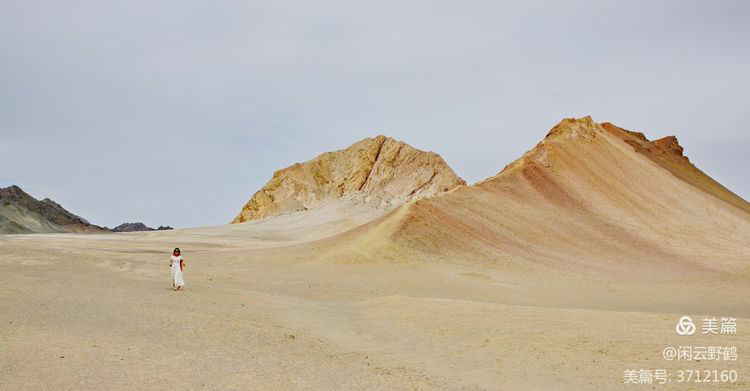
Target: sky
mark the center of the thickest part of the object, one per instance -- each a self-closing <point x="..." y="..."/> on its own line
<point x="176" y="112"/>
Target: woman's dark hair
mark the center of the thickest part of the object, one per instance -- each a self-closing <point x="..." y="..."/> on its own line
<point x="176" y="250"/>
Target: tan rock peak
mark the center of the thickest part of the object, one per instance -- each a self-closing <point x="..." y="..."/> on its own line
<point x="574" y="127"/>
<point x="586" y="129"/>
<point x="380" y="172"/>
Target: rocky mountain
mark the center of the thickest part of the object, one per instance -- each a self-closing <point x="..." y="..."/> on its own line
<point x="589" y="196"/>
<point x="131" y="227"/>
<point x="22" y="213"/>
<point x="136" y="227"/>
<point x="380" y="172"/>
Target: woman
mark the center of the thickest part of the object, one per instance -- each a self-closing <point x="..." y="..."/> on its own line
<point x="177" y="264"/>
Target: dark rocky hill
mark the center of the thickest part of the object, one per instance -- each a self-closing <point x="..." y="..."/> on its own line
<point x="22" y="213"/>
<point x="136" y="227"/>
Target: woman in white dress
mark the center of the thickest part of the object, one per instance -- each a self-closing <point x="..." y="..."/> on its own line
<point x="177" y="264"/>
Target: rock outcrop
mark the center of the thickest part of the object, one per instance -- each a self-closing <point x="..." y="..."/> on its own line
<point x="380" y="172"/>
<point x="138" y="227"/>
<point x="22" y="213"/>
<point x="131" y="227"/>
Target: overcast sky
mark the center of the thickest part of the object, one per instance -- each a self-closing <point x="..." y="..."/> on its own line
<point x="175" y="112"/>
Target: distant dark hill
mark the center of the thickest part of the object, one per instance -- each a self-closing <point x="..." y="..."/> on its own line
<point x="22" y="213"/>
<point x="131" y="227"/>
<point x="136" y="227"/>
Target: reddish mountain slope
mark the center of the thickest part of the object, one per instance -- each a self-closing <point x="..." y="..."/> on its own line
<point x="588" y="197"/>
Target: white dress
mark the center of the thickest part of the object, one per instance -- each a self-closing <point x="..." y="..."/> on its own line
<point x="177" y="279"/>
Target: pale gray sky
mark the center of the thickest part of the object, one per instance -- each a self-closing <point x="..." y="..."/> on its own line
<point x="175" y="112"/>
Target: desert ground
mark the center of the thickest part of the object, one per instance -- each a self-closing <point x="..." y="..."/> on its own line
<point x="567" y="268"/>
<point x="261" y="313"/>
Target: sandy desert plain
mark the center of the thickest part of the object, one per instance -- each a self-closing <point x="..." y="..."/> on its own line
<point x="570" y="266"/>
